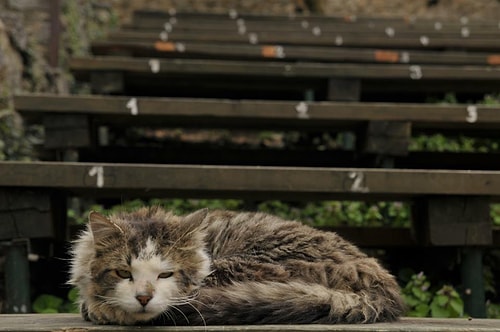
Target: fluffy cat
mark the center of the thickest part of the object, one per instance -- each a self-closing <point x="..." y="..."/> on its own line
<point x="222" y="267"/>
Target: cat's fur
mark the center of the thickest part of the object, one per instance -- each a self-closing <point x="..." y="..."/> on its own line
<point x="221" y="267"/>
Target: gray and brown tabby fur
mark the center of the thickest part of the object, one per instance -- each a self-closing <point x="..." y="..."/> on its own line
<point x="222" y="267"/>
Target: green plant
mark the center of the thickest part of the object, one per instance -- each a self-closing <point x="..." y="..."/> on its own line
<point x="49" y="304"/>
<point x="423" y="302"/>
<point x="417" y="296"/>
<point x="493" y="310"/>
<point x="447" y="303"/>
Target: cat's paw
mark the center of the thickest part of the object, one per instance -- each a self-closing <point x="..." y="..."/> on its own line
<point x="99" y="317"/>
<point x="84" y="311"/>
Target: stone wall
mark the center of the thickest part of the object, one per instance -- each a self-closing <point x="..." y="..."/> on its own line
<point x="24" y="34"/>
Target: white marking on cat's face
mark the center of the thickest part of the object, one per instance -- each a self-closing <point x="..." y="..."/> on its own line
<point x="146" y="281"/>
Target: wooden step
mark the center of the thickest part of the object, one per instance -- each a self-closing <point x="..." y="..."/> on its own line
<point x="387" y="29"/>
<point x="232" y="18"/>
<point x="305" y="70"/>
<point x="240" y="51"/>
<point x="304" y="38"/>
<point x="259" y="114"/>
<point x="380" y="128"/>
<point x="73" y="322"/>
<point x="257" y="79"/>
<point x="259" y="182"/>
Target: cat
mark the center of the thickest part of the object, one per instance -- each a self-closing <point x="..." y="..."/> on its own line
<point x="223" y="268"/>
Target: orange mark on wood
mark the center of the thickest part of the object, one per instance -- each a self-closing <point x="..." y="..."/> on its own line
<point x="269" y="51"/>
<point x="164" y="46"/>
<point x="493" y="59"/>
<point x="386" y="56"/>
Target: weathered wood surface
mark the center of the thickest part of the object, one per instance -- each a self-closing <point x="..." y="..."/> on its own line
<point x="196" y="49"/>
<point x="312" y="70"/>
<point x="152" y="19"/>
<point x="258" y="113"/>
<point x="73" y="322"/>
<point x="387" y="29"/>
<point x="302" y="183"/>
<point x="25" y="214"/>
<point x="332" y="39"/>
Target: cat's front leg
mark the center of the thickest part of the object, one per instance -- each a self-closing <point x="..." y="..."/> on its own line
<point x="95" y="314"/>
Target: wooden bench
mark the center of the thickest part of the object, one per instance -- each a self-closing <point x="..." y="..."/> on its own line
<point x="144" y="47"/>
<point x="451" y="207"/>
<point x="73" y="322"/>
<point x="431" y="188"/>
<point x="251" y="79"/>
<point x="236" y="54"/>
<point x="314" y="30"/>
<point x="72" y="122"/>
<point x="331" y="39"/>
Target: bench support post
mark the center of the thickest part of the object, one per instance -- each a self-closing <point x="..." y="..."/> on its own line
<point x="344" y="89"/>
<point x="473" y="283"/>
<point x="17" y="278"/>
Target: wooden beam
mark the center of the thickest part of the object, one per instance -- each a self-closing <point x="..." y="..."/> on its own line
<point x="298" y="70"/>
<point x="455" y="221"/>
<point x="67" y="131"/>
<point x="65" y="322"/>
<point x="331" y="39"/>
<point x="386" y="138"/>
<point x="25" y="214"/>
<point x="169" y="112"/>
<point x="241" y="51"/>
<point x="100" y="179"/>
<point x="145" y="18"/>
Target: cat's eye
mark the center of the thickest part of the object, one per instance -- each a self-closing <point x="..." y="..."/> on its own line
<point x="165" y="275"/>
<point x="124" y="274"/>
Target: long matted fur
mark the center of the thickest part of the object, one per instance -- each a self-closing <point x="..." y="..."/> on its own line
<point x="222" y="267"/>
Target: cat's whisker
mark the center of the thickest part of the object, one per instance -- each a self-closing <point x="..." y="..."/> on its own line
<point x="182" y="313"/>
<point x="166" y="316"/>
<point x="199" y="313"/>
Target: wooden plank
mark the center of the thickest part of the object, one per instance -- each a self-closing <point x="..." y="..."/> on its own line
<point x="387" y="29"/>
<point x="112" y="180"/>
<point x="386" y="138"/>
<point x="196" y="49"/>
<point x="332" y="39"/>
<point x="455" y="221"/>
<point x="73" y="322"/>
<point x="483" y="119"/>
<point x="66" y="131"/>
<point x="151" y="18"/>
<point x="25" y="214"/>
<point x="297" y="70"/>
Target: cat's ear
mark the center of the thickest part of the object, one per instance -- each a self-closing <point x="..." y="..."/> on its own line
<point x="194" y="219"/>
<point x="102" y="227"/>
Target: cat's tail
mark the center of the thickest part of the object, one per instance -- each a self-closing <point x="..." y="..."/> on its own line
<point x="291" y="303"/>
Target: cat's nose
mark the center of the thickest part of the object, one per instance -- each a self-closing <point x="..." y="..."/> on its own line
<point x="143" y="299"/>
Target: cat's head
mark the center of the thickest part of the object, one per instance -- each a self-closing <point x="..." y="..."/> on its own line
<point x="147" y="261"/>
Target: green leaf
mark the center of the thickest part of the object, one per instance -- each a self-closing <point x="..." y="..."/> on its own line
<point x="458" y="306"/>
<point x="440" y="300"/>
<point x="438" y="311"/>
<point x="73" y="295"/>
<point x="47" y="303"/>
<point x="421" y="310"/>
